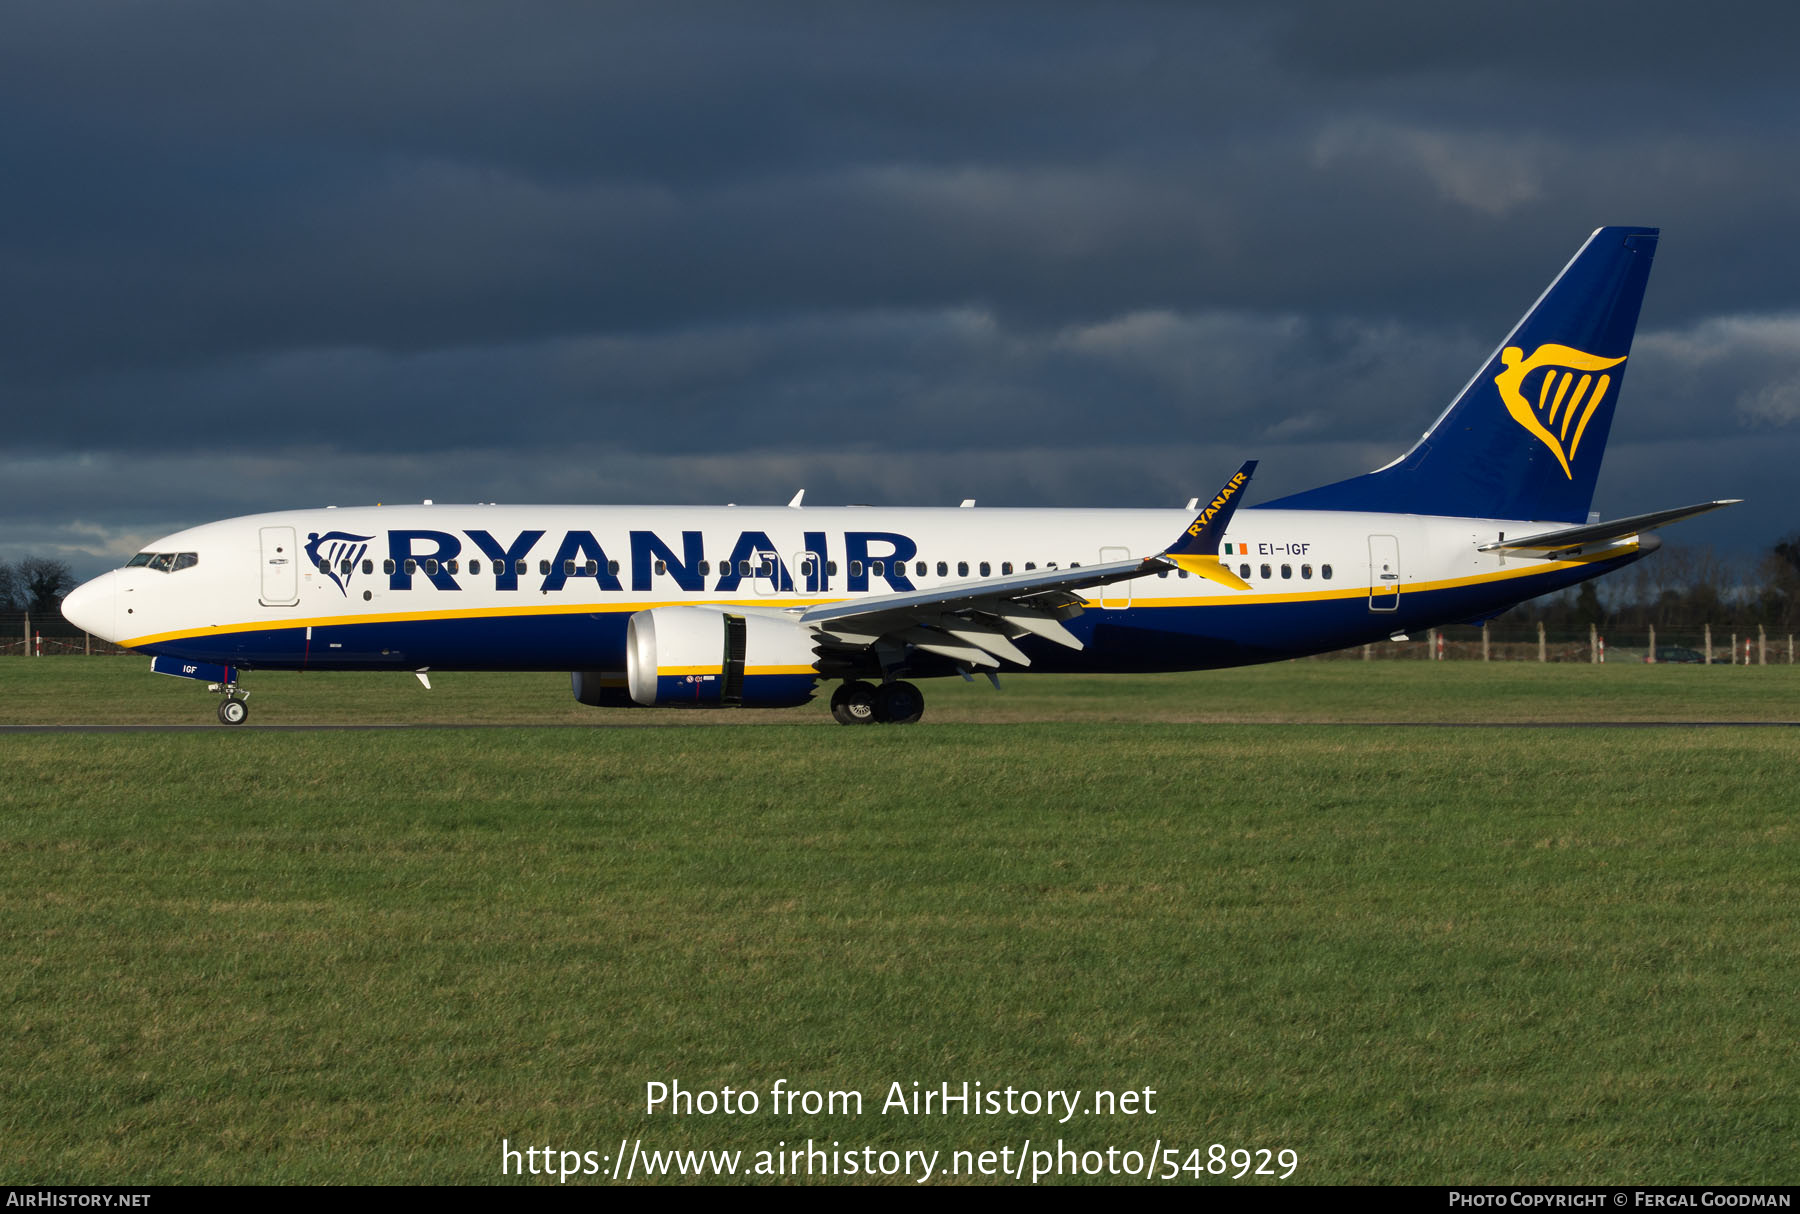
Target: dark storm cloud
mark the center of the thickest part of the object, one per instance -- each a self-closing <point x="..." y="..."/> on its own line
<point x="287" y="253"/>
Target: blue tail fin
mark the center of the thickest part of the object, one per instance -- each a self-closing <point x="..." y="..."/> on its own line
<point x="1525" y="436"/>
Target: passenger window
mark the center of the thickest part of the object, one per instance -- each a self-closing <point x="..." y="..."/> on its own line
<point x="831" y="568"/>
<point x="662" y="567"/>
<point x="1287" y="571"/>
<point x="1306" y="573"/>
<point x="451" y="564"/>
<point x="877" y="568"/>
<point x="986" y="569"/>
<point x="591" y="569"/>
<point x="1005" y="568"/>
<point x="1162" y="573"/>
<point x="324" y="566"/>
<point x="412" y="566"/>
<point x="343" y="566"/>
<point x="519" y="565"/>
<point x="431" y="565"/>
<point x="962" y="569"/>
<point x="387" y="566"/>
<point x="475" y="566"/>
<point x="368" y="565"/>
<point x="1181" y="573"/>
<point x="612" y="567"/>
<point x="743" y="568"/>
<point x="705" y="568"/>
<point x="919" y="569"/>
<point x="855" y="568"/>
<point x="943" y="568"/>
<point x="543" y="565"/>
<point x="1266" y="573"/>
<point x="1244" y="572"/>
<point x="1325" y="572"/>
<point x="1030" y="565"/>
<point x="568" y="568"/>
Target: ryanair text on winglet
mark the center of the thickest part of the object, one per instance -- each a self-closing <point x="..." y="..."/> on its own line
<point x="1225" y="495"/>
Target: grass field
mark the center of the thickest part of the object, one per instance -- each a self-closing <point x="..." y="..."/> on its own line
<point x="121" y="690"/>
<point x="1502" y="955"/>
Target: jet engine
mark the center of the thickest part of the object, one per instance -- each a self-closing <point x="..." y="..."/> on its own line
<point x="710" y="657"/>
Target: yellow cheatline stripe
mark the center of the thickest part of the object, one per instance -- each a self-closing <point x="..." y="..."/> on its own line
<point x="455" y="613"/>
<point x="663" y="672"/>
<point x="1358" y="591"/>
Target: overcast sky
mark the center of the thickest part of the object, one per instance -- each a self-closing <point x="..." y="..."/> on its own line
<point x="287" y="254"/>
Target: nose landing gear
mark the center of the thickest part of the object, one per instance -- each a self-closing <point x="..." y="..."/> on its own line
<point x="232" y="709"/>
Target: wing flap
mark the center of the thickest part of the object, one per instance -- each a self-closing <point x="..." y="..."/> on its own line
<point x="976" y="623"/>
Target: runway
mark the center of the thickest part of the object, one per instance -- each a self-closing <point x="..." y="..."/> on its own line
<point x="371" y="728"/>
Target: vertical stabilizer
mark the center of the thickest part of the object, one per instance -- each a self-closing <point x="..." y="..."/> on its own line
<point x="1525" y="437"/>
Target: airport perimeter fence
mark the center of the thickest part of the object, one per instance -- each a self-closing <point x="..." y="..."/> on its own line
<point x="1697" y="644"/>
<point x="30" y="636"/>
<point x="27" y="635"/>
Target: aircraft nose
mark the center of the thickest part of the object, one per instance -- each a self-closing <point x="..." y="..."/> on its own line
<point x="91" y="606"/>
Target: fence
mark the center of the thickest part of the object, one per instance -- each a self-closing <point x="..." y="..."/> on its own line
<point x="1696" y="644"/>
<point x="37" y="636"/>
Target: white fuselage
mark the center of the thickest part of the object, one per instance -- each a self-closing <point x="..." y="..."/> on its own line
<point x="549" y="587"/>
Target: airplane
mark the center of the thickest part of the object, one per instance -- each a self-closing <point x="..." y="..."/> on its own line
<point x="755" y="607"/>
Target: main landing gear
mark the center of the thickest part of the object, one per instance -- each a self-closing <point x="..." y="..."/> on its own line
<point x="859" y="703"/>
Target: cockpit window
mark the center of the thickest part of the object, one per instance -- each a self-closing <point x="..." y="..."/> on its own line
<point x="164" y="562"/>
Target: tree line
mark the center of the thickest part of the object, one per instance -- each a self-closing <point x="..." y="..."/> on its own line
<point x="35" y="584"/>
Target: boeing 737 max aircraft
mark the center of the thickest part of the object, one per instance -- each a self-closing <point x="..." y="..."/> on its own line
<point x="727" y="607"/>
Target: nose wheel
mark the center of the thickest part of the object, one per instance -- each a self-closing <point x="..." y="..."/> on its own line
<point x="232" y="709"/>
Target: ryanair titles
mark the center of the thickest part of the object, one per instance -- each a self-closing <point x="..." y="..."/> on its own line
<point x="1218" y="503"/>
<point x="533" y="560"/>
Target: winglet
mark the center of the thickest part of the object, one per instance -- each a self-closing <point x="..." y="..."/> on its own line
<point x="1197" y="548"/>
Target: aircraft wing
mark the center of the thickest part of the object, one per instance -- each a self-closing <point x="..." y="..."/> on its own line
<point x="1575" y="537"/>
<point x="977" y="623"/>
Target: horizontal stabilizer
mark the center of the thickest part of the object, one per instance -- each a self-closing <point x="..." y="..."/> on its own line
<point x="1575" y="537"/>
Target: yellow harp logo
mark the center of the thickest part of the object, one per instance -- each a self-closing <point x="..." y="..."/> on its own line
<point x="1553" y="421"/>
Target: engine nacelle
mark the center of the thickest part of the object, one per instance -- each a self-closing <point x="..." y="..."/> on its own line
<point x="710" y="657"/>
